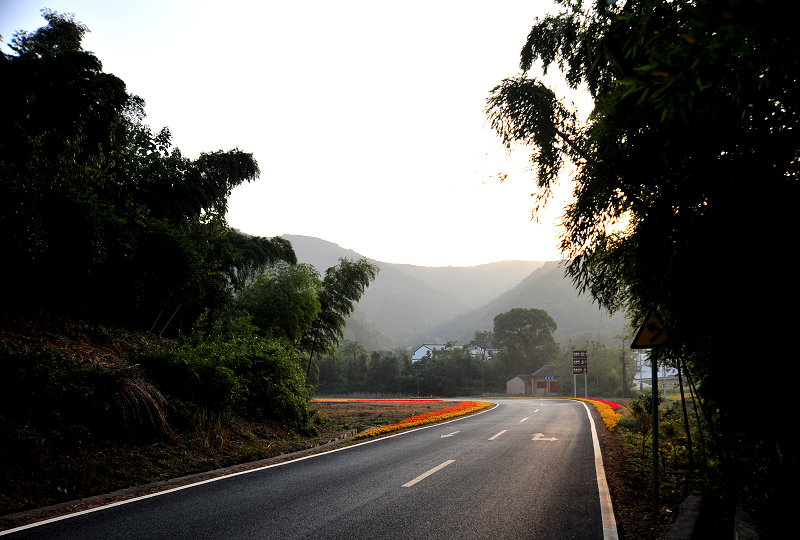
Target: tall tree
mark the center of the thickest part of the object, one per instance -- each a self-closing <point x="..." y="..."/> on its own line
<point x="526" y="338"/>
<point x="694" y="127"/>
<point x="341" y="289"/>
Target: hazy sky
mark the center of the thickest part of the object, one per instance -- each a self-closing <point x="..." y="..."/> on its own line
<point x="366" y="117"/>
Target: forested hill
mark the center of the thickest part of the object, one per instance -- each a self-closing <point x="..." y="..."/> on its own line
<point x="406" y="301"/>
<point x="546" y="288"/>
<point x="408" y="304"/>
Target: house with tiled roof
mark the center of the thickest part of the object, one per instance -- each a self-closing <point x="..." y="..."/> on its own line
<point x="543" y="382"/>
<point x="521" y="384"/>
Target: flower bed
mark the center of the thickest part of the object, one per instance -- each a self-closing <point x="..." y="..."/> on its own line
<point x="463" y="407"/>
<point x="323" y="400"/>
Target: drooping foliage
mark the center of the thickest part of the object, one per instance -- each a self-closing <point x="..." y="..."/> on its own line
<point x="341" y="289"/>
<point x="691" y="150"/>
<point x="102" y="218"/>
<point x="283" y="301"/>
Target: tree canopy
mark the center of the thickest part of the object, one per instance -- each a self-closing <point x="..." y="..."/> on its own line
<point x="102" y="217"/>
<point x="691" y="149"/>
<point x="526" y="337"/>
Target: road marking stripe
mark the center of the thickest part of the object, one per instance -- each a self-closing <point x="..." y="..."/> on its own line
<point x="423" y="476"/>
<point x="493" y="438"/>
<point x="606" y="508"/>
<point x="537" y="410"/>
<point x="524" y="419"/>
<point x="450" y="434"/>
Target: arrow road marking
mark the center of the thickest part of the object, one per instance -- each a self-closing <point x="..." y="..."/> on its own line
<point x="541" y="437"/>
<point x="423" y="476"/>
<point x="450" y="434"/>
<point x="493" y="438"/>
<point x="524" y="419"/>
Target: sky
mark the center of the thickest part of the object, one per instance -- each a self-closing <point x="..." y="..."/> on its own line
<point x="366" y="117"/>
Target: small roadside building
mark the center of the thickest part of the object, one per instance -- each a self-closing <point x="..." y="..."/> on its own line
<point x="521" y="384"/>
<point x="543" y="382"/>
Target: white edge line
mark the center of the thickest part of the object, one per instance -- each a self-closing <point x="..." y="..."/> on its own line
<point x="195" y="484"/>
<point x="424" y="475"/>
<point x="606" y="507"/>
<point x="493" y="438"/>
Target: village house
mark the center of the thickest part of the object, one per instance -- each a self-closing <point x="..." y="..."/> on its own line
<point x="543" y="382"/>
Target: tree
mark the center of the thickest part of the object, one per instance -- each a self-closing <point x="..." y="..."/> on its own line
<point x="342" y="287"/>
<point x="283" y="302"/>
<point x="694" y="125"/>
<point x="103" y="218"/>
<point x="526" y="338"/>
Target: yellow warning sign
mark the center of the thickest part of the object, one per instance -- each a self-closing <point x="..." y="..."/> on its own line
<point x="650" y="334"/>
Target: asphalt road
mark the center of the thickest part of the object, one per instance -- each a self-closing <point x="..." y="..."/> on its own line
<point x="485" y="476"/>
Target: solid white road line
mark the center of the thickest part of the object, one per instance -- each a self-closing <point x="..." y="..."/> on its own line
<point x="524" y="419"/>
<point x="606" y="508"/>
<point x="493" y="438"/>
<point x="423" y="476"/>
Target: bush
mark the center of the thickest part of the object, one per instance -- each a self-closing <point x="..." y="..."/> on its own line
<point x="227" y="368"/>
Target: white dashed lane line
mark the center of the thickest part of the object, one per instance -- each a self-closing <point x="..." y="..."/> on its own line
<point x="423" y="476"/>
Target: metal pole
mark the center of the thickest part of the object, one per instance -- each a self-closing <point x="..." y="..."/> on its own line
<point x="586" y="385"/>
<point x="686" y="419"/>
<point x="654" y="411"/>
<point x="575" y="384"/>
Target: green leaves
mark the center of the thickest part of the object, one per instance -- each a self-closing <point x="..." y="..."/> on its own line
<point x="283" y="301"/>
<point x="341" y="288"/>
<point x="526" y="338"/>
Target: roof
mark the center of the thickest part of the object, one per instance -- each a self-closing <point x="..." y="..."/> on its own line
<point x="524" y="377"/>
<point x="546" y="371"/>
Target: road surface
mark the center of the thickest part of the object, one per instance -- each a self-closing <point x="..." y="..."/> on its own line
<point x="525" y="469"/>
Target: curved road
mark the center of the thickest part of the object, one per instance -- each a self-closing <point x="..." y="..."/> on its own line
<point x="497" y="474"/>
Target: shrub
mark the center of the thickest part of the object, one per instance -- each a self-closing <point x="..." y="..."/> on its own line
<point x="225" y="367"/>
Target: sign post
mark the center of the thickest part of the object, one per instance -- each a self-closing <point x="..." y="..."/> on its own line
<point x="650" y="334"/>
<point x="580" y="366"/>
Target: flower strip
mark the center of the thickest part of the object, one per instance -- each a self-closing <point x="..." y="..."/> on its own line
<point x="323" y="400"/>
<point x="463" y="407"/>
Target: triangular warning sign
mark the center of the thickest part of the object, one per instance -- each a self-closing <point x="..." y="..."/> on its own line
<point x="650" y="334"/>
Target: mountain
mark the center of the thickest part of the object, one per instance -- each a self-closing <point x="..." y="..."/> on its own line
<point x="546" y="288"/>
<point x="406" y="301"/>
<point x="474" y="285"/>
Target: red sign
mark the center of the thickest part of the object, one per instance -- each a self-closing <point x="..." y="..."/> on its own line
<point x="580" y="363"/>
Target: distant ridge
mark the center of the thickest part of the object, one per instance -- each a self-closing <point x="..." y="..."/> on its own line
<point x="546" y="288"/>
<point x="408" y="305"/>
